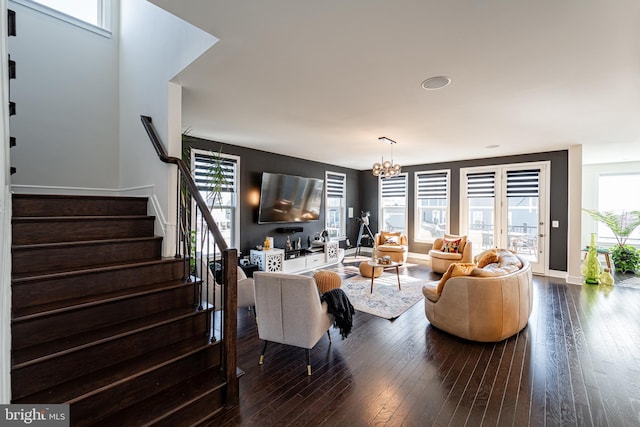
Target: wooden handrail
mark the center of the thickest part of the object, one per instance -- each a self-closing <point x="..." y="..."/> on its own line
<point x="188" y="179"/>
<point x="230" y="262"/>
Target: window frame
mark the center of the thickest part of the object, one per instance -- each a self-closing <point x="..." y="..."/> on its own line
<point x="234" y="240"/>
<point x="342" y="232"/>
<point x="104" y="18"/>
<point x="416" y="202"/>
<point x="381" y="210"/>
<point x="604" y="236"/>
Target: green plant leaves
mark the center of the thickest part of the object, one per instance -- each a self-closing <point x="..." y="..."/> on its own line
<point x="620" y="224"/>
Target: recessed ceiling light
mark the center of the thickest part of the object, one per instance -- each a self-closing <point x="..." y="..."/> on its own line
<point x="434" y="83"/>
<point x="492" y="146"/>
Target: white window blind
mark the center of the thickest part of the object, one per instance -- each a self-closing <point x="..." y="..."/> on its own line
<point x="481" y="184"/>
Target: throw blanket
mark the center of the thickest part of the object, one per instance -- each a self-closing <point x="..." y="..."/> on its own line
<point x="340" y="307"/>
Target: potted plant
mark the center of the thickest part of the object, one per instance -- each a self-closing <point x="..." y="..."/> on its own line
<point x="625" y="257"/>
<point x="215" y="181"/>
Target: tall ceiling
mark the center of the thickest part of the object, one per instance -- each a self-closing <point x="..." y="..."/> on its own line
<point x="323" y="79"/>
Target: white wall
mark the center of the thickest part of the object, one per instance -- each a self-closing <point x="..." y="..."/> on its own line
<point x="5" y="221"/>
<point x="154" y="47"/>
<point x="590" y="188"/>
<point x="66" y="95"/>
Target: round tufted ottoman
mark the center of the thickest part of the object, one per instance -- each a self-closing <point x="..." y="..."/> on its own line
<point x="327" y="280"/>
<point x="367" y="271"/>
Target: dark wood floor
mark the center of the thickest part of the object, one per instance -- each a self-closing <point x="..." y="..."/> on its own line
<point x="576" y="363"/>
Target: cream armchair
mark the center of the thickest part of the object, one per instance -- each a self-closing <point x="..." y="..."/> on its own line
<point x="213" y="295"/>
<point x="289" y="311"/>
<point x="440" y="259"/>
<point x="392" y="244"/>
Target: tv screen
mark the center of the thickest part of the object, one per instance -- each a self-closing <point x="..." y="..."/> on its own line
<point x="288" y="198"/>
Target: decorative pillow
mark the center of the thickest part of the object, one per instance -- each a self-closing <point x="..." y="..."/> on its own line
<point x="455" y="269"/>
<point x="451" y="246"/>
<point x="392" y="240"/>
<point x="385" y="235"/>
<point x="463" y="240"/>
<point x="487" y="257"/>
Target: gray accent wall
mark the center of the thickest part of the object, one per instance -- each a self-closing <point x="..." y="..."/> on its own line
<point x="558" y="208"/>
<point x="252" y="164"/>
<point x="362" y="194"/>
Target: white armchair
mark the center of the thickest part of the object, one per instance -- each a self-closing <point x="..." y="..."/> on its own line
<point x="246" y="293"/>
<point x="289" y="311"/>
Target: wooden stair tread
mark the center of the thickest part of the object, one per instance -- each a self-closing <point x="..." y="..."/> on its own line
<point x="82" y="243"/>
<point x="58" y="307"/>
<point x="52" y="349"/>
<point x="78" y="218"/>
<point x="85" y="386"/>
<point x="25" y="277"/>
<point x="169" y="402"/>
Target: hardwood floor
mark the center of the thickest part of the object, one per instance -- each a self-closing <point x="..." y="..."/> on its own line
<point x="576" y="363"/>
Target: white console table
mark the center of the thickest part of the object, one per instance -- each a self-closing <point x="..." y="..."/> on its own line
<point x="273" y="259"/>
<point x="270" y="260"/>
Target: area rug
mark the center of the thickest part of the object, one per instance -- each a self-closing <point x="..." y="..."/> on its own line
<point x="386" y="301"/>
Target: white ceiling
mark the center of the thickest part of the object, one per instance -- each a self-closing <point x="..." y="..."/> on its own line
<point x="323" y="79"/>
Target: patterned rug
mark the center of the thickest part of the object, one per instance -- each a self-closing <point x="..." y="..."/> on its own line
<point x="386" y="301"/>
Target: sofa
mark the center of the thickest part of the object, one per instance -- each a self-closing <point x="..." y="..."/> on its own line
<point x="392" y="244"/>
<point x="449" y="249"/>
<point x="487" y="301"/>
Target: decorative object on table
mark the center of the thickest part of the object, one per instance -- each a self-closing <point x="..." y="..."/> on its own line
<point x="385" y="260"/>
<point x="299" y="246"/>
<point x="591" y="266"/>
<point x="259" y="247"/>
<point x="625" y="257"/>
<point x="325" y="236"/>
<point x="288" y="244"/>
<point x="606" y="278"/>
<point x="265" y="245"/>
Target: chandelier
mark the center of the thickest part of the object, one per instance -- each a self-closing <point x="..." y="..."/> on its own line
<point x="386" y="168"/>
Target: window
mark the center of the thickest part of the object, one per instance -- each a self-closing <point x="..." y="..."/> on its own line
<point x="393" y="203"/>
<point x="614" y="194"/>
<point x="432" y="202"/>
<point x="92" y="15"/>
<point x="335" y="204"/>
<point x="223" y="203"/>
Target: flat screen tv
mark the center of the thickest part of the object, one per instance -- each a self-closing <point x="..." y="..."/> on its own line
<point x="288" y="198"/>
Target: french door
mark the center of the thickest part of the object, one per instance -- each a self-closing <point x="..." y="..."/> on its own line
<point x="506" y="207"/>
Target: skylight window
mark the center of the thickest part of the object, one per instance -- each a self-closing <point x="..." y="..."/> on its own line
<point x="93" y="15"/>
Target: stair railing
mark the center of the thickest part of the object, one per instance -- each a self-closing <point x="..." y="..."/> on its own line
<point x="199" y="238"/>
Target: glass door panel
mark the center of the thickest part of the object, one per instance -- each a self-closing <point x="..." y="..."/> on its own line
<point x="505" y="207"/>
<point x="522" y="228"/>
<point x="481" y="223"/>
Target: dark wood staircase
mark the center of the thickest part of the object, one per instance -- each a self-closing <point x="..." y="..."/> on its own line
<point x="102" y="322"/>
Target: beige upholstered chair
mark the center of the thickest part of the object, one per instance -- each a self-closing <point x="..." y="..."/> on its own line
<point x="481" y="308"/>
<point x="392" y="244"/>
<point x="290" y="312"/>
<point x="246" y="294"/>
<point x="440" y="260"/>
